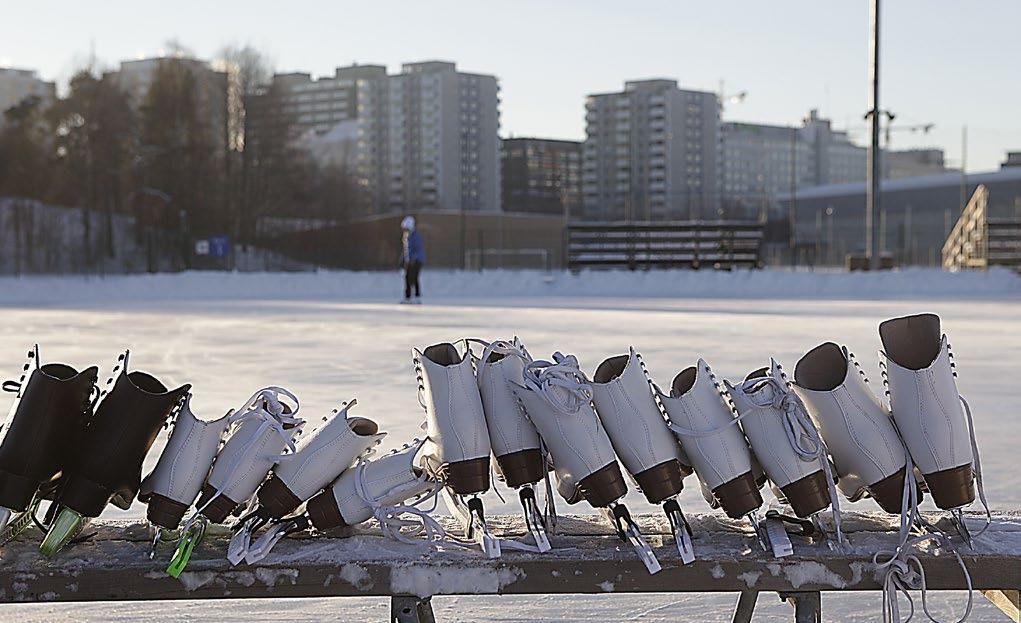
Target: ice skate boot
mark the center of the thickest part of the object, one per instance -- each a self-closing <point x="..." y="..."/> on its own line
<point x="921" y="382"/>
<point x="867" y="451"/>
<point x="703" y="420"/>
<point x="557" y="397"/>
<point x="379" y="489"/>
<point x="786" y="443"/>
<point x="182" y="469"/>
<point x="516" y="444"/>
<point x="107" y="465"/>
<point x="319" y="459"/>
<point x="261" y="434"/>
<point x="456" y="450"/>
<point x="624" y="399"/>
<point x="40" y="435"/>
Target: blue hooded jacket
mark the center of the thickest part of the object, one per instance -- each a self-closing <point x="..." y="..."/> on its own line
<point x="414" y="249"/>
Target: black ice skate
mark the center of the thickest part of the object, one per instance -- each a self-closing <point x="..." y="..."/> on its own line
<point x="39" y="436"/>
<point x="107" y="464"/>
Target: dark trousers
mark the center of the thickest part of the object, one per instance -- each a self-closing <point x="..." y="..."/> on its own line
<point x="411" y="271"/>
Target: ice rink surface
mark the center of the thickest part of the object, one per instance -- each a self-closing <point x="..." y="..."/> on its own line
<point x="336" y="336"/>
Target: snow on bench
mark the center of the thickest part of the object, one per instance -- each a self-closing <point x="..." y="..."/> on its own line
<point x="587" y="558"/>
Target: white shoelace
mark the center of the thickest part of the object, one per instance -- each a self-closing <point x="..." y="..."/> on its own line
<point x="563" y="373"/>
<point x="265" y="406"/>
<point x="901" y="565"/>
<point x="802" y="435"/>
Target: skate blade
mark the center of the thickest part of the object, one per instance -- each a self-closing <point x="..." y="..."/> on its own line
<point x="190" y="538"/>
<point x="162" y="535"/>
<point x="628" y="530"/>
<point x="681" y="531"/>
<point x="473" y="522"/>
<point x="773" y="536"/>
<point x="63" y="530"/>
<point x="18" y="523"/>
<point x="533" y="520"/>
<point x="957" y="520"/>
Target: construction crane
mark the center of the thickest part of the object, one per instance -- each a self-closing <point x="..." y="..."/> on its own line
<point x="923" y="128"/>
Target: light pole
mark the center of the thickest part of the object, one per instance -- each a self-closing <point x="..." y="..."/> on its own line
<point x="874" y="173"/>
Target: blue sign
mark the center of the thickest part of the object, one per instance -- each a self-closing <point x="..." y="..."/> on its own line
<point x="219" y="246"/>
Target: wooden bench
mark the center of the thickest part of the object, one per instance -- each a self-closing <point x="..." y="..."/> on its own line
<point x="587" y="558"/>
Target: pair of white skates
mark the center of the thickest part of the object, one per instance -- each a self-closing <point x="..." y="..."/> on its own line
<point x="926" y="426"/>
<point x="229" y="475"/>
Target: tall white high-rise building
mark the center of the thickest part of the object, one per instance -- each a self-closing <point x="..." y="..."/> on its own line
<point x="651" y="152"/>
<point x="428" y="140"/>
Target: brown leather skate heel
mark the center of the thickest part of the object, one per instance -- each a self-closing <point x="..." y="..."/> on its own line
<point x="220" y="508"/>
<point x="323" y="512"/>
<point x="603" y="486"/>
<point x="467" y="477"/>
<point x="164" y="512"/>
<point x="808" y="495"/>
<point x="889" y="492"/>
<point x="739" y="497"/>
<point x="662" y="481"/>
<point x="951" y="488"/>
<point x="276" y="498"/>
<point x="522" y="467"/>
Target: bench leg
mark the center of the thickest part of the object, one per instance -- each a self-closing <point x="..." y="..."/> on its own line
<point x="745" y="606"/>
<point x="807" y="606"/>
<point x="411" y="609"/>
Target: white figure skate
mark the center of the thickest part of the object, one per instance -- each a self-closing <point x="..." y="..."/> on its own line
<point x="319" y="459"/>
<point x="182" y="469"/>
<point x="787" y="444"/>
<point x="456" y="450"/>
<point x="867" y="451"/>
<point x="516" y="444"/>
<point x="703" y="420"/>
<point x="557" y="398"/>
<point x="370" y="489"/>
<point x="628" y="410"/>
<point x="261" y="434"/>
<point x="921" y="382"/>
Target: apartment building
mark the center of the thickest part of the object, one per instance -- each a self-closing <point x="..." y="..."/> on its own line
<point x="651" y="152"/>
<point x="136" y="76"/>
<point x="424" y="139"/>
<point x="761" y="161"/>
<point x="541" y="175"/>
<point x="18" y="84"/>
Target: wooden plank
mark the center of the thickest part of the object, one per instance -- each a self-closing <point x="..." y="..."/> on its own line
<point x="1007" y="601"/>
<point x="587" y="558"/>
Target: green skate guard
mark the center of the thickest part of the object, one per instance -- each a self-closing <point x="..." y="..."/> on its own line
<point x="65" y="527"/>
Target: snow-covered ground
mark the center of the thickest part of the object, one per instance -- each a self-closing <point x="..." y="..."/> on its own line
<point x="333" y="336"/>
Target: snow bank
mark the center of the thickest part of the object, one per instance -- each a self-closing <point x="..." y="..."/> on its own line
<point x="911" y="283"/>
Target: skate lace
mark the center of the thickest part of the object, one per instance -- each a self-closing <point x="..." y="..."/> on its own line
<point x="802" y="434"/>
<point x="266" y="407"/>
<point x="902" y="569"/>
<point x="560" y="382"/>
<point x="503" y="347"/>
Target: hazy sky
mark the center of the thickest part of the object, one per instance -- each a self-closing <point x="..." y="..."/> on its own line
<point x="946" y="62"/>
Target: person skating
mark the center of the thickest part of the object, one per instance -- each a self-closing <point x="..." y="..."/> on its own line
<point x="412" y="258"/>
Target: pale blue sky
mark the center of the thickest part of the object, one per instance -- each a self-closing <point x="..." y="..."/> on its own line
<point x="947" y="62"/>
